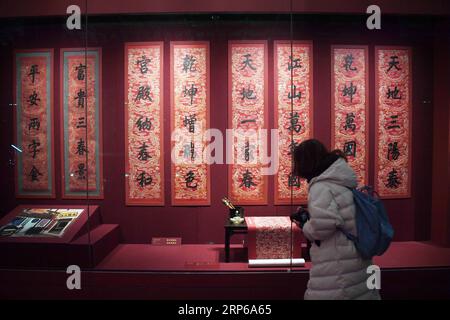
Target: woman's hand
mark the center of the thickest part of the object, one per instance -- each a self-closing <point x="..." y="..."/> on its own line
<point x="301" y="216"/>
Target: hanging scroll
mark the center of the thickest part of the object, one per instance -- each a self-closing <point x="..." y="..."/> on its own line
<point x="293" y="114"/>
<point x="34" y="123"/>
<point x="190" y="119"/>
<point x="350" y="103"/>
<point x="144" y="167"/>
<point x="247" y="116"/>
<point x="393" y="120"/>
<point x="81" y="123"/>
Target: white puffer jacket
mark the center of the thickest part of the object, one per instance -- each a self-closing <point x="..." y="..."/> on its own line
<point x="338" y="271"/>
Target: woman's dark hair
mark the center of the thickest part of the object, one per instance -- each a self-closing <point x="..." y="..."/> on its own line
<point x="311" y="158"/>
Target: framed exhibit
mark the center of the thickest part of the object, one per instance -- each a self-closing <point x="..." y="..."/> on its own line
<point x="293" y="114"/>
<point x="393" y="118"/>
<point x="81" y="123"/>
<point x="248" y="114"/>
<point x="33" y="123"/>
<point x="144" y="124"/>
<point x="350" y="106"/>
<point x="190" y="98"/>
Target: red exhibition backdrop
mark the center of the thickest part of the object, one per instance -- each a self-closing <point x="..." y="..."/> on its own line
<point x="144" y="118"/>
<point x="202" y="224"/>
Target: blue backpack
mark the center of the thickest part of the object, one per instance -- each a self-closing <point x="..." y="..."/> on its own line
<point x="375" y="233"/>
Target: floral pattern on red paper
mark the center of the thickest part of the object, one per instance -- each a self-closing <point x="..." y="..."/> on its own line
<point x="393" y="112"/>
<point x="190" y="120"/>
<point x="273" y="237"/>
<point x="145" y="185"/>
<point x="293" y="115"/>
<point x="247" y="184"/>
<point x="349" y="115"/>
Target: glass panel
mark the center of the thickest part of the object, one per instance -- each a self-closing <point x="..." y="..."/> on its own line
<point x="187" y="77"/>
<point x="38" y="214"/>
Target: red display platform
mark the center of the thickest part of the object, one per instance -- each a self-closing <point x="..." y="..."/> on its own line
<point x="76" y="246"/>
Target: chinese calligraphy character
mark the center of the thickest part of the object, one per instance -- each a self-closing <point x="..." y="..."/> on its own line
<point x="295" y="126"/>
<point x="189" y="180"/>
<point x="33" y="72"/>
<point x="188" y="63"/>
<point x="81" y="123"/>
<point x="247" y="62"/>
<point x="350" y="148"/>
<point x="81" y="97"/>
<point x="80" y="71"/>
<point x="393" y="151"/>
<point x="349" y="91"/>
<point x="33" y="148"/>
<point x="81" y="172"/>
<point x="189" y="122"/>
<point x="248" y="151"/>
<point x="143" y="154"/>
<point x="247" y="180"/>
<point x="247" y="94"/>
<point x="393" y="122"/>
<point x="143" y="94"/>
<point x="192" y="151"/>
<point x="248" y="121"/>
<point x="293" y="180"/>
<point x="350" y="122"/>
<point x="144" y="180"/>
<point x="191" y="92"/>
<point x="81" y="147"/>
<point x="393" y="94"/>
<point x="348" y="63"/>
<point x="143" y="67"/>
<point x="295" y="95"/>
<point x="393" y="180"/>
<point x="393" y="63"/>
<point x="33" y="99"/>
<point x="34" y="124"/>
<point x="34" y="174"/>
<point x="143" y="125"/>
<point x="293" y="63"/>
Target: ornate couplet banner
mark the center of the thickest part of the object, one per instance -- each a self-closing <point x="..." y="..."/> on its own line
<point x="393" y="122"/>
<point x="293" y="114"/>
<point x="144" y="168"/>
<point x="350" y="103"/>
<point x="189" y="90"/>
<point x="247" y="116"/>
<point x="33" y="81"/>
<point x="81" y="123"/>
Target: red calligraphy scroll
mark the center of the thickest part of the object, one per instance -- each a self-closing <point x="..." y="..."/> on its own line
<point x="350" y="106"/>
<point x="393" y="122"/>
<point x="247" y="116"/>
<point x="189" y="87"/>
<point x="293" y="114"/>
<point x="144" y="156"/>
<point x="81" y="123"/>
<point x="33" y="122"/>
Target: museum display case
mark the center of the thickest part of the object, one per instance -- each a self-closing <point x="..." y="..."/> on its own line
<point x="162" y="141"/>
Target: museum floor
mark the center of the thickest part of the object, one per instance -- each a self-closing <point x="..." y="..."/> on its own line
<point x="410" y="270"/>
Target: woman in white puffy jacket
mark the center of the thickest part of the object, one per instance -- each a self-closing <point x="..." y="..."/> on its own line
<point x="338" y="271"/>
